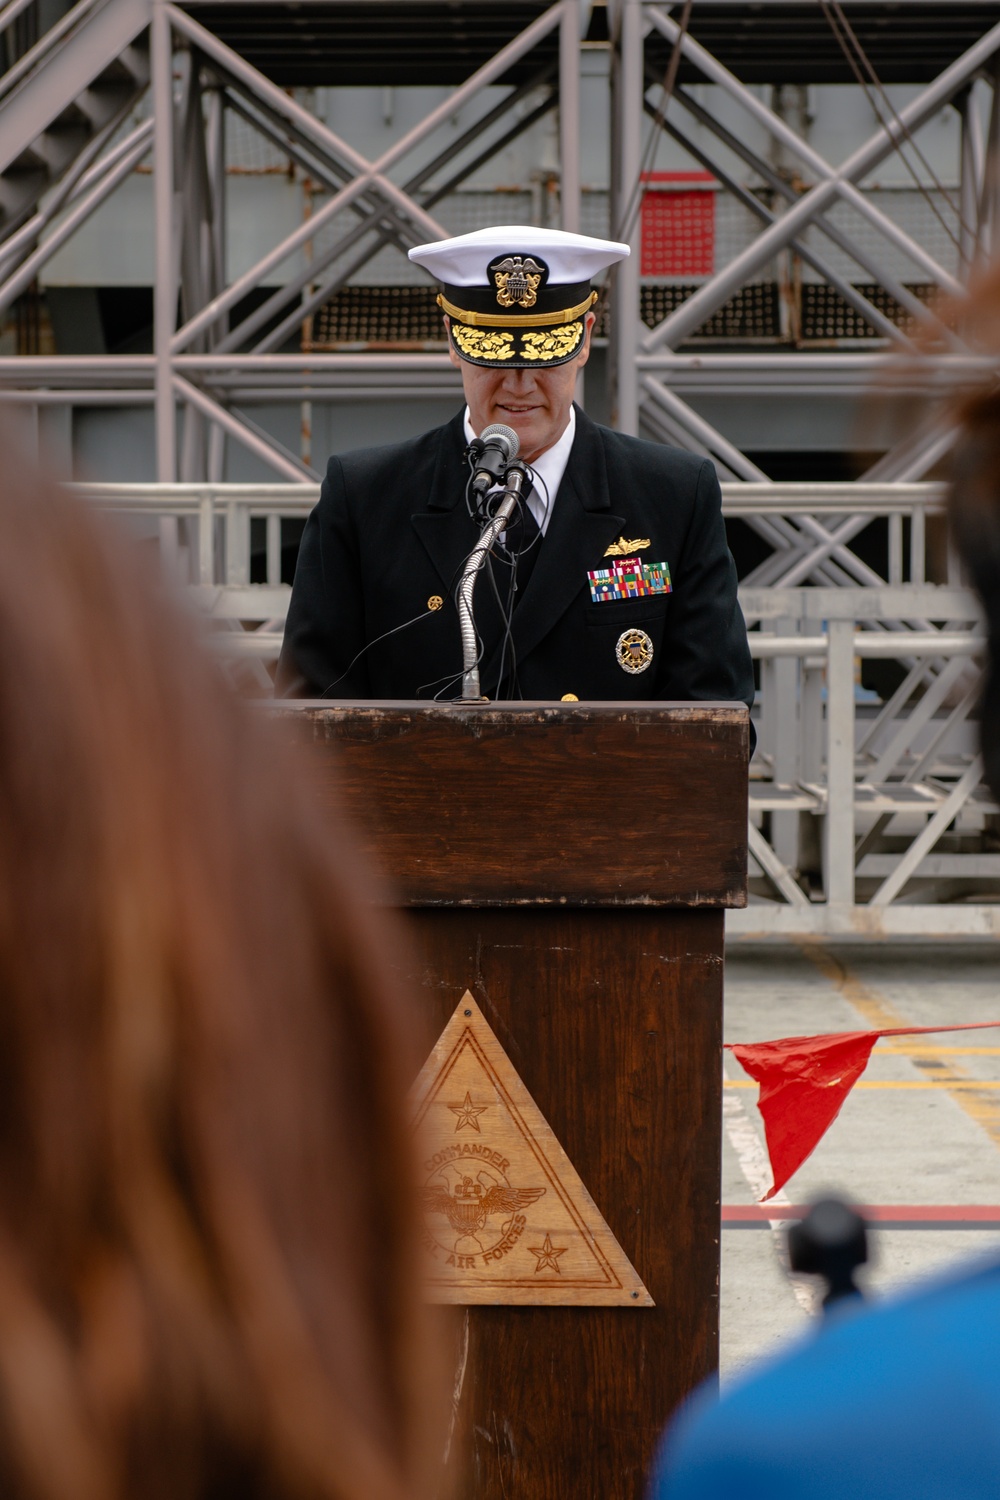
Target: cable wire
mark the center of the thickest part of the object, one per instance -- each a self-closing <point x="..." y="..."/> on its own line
<point x="634" y="202"/>
<point x="850" y="44"/>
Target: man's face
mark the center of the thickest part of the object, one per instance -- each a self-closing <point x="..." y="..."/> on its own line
<point x="535" y="403"/>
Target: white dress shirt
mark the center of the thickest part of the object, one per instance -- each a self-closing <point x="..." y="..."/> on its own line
<point x="548" y="470"/>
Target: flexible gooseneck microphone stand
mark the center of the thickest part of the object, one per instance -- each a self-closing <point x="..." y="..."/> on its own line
<point x="514" y="483"/>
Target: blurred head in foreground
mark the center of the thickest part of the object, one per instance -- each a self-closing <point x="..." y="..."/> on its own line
<point x="975" y="500"/>
<point x="206" y="1224"/>
<point x="901" y="1400"/>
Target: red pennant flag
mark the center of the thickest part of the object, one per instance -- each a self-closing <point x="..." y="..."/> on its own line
<point x="804" y="1081"/>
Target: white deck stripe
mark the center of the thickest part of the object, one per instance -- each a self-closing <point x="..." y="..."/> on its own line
<point x="745" y="1141"/>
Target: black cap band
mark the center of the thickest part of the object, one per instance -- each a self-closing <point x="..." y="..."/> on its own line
<point x="549" y="299"/>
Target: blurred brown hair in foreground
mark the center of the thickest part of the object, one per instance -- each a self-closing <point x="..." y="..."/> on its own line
<point x="207" y="1265"/>
<point x="974" y="473"/>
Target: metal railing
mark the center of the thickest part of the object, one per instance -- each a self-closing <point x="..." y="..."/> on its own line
<point x="867" y="813"/>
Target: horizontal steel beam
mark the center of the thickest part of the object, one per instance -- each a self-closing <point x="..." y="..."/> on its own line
<point x="767" y="920"/>
<point x="738" y="499"/>
<point x="907" y="601"/>
<point x="868" y="643"/>
<point x="874" y="364"/>
<point x="836" y="499"/>
<point x="92" y="396"/>
<point x="490" y="5"/>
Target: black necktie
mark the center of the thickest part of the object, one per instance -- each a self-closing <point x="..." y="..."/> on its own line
<point x="522" y="543"/>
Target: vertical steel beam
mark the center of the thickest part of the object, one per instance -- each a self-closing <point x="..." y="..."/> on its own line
<point x="783" y="713"/>
<point x="195" y="254"/>
<point x="625" y="307"/>
<point x="990" y="208"/>
<point x="165" y="292"/>
<point x="839" y="841"/>
<point x="569" y="115"/>
<point x="969" y="182"/>
<point x="215" y="151"/>
<point x="811" y="722"/>
<point x="918" y="546"/>
<point x="274" y="549"/>
<point x="895" y="549"/>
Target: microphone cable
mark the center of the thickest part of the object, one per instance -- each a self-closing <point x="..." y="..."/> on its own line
<point x="425" y="614"/>
<point x="506" y="611"/>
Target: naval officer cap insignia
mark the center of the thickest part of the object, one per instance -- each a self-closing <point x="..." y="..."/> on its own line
<point x="517" y="297"/>
<point x="634" y="650"/>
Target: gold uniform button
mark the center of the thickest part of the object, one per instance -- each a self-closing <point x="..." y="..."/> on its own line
<point x="569" y="698"/>
<point x="435" y="601"/>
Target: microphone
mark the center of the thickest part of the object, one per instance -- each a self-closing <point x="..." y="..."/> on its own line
<point x="492" y="453"/>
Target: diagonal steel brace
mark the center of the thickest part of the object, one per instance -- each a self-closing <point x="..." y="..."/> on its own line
<point x="710" y="297"/>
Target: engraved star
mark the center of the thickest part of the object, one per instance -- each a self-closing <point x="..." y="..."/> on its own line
<point x="467" y="1113"/>
<point x="548" y="1255"/>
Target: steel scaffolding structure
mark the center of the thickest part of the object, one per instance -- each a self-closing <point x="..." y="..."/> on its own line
<point x="63" y="152"/>
<point x="859" y="811"/>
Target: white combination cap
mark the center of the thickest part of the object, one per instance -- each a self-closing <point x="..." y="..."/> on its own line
<point x="571" y="258"/>
<point x="515" y="295"/>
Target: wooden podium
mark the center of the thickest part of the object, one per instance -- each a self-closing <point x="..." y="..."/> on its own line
<point x="569" y="866"/>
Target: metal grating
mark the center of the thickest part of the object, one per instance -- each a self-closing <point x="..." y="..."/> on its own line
<point x="793" y="43"/>
<point x="825" y="315"/>
<point x="319" y="43"/>
<point x="395" y="315"/>
<point x="754" y="313"/>
<point x="408" y="316"/>
<point x="352" y="45"/>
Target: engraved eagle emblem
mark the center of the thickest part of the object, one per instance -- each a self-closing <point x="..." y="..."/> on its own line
<point x="634" y="650"/>
<point x="517" y="280"/>
<point x="468" y="1208"/>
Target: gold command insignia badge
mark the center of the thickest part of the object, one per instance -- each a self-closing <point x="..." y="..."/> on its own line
<point x="435" y="601"/>
<point x="634" y="651"/>
<point x="624" y="548"/>
<point x="517" y="278"/>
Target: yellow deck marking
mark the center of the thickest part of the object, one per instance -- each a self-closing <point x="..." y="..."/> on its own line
<point x="884" y="1050"/>
<point x="970" y="1095"/>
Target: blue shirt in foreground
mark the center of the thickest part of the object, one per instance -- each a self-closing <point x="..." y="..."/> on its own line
<point x="899" y="1402"/>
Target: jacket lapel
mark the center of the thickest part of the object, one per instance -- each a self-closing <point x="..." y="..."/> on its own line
<point x="442" y="523"/>
<point x="581" y="527"/>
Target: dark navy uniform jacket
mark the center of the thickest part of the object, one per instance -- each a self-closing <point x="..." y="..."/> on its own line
<point x="392" y="530"/>
<point x="898" y="1403"/>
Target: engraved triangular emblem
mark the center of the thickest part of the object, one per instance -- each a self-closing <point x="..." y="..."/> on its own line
<point x="506" y="1218"/>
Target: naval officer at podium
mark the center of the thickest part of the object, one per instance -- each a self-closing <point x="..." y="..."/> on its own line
<point x="613" y="582"/>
